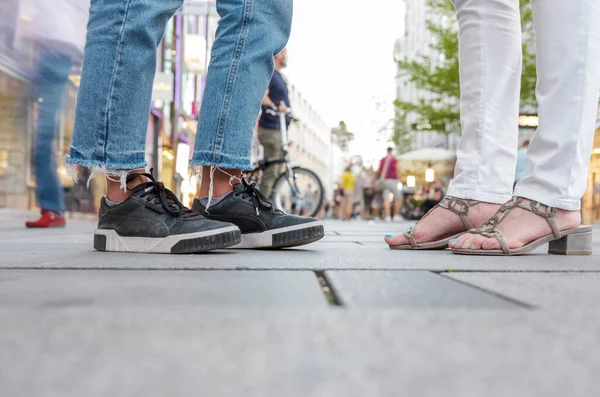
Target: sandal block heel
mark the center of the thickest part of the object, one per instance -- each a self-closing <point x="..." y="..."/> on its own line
<point x="579" y="242"/>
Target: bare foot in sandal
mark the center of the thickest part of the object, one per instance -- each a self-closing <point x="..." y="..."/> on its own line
<point x="447" y="220"/>
<point x="519" y="227"/>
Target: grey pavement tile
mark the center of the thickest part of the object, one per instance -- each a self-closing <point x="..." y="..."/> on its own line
<point x="48" y="289"/>
<point x="408" y="289"/>
<point x="72" y="248"/>
<point x="158" y="333"/>
<point x="76" y="252"/>
<point x="550" y="291"/>
<point x="297" y="353"/>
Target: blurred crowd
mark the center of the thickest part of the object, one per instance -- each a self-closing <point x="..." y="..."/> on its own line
<point x="370" y="194"/>
<point x="41" y="45"/>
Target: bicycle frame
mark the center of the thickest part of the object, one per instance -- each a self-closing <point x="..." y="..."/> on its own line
<point x="285" y="146"/>
<point x="291" y="177"/>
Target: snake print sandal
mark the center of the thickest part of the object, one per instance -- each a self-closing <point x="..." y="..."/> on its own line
<point x="460" y="207"/>
<point x="576" y="241"/>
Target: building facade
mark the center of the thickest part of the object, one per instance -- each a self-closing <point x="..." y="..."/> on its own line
<point x="15" y="140"/>
<point x="312" y="145"/>
<point x="591" y="198"/>
<point x="417" y="42"/>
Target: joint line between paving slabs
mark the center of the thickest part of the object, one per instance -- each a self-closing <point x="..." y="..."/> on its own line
<point x="328" y="290"/>
<point x="286" y="269"/>
<point x="517" y="302"/>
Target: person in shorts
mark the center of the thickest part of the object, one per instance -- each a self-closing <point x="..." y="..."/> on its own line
<point x="388" y="174"/>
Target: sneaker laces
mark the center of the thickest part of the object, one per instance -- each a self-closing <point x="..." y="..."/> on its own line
<point x="259" y="201"/>
<point x="159" y="194"/>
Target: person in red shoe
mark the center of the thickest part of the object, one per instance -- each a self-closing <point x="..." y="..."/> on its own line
<point x="58" y="33"/>
<point x="48" y="219"/>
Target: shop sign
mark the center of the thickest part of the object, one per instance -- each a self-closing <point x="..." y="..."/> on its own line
<point x="162" y="90"/>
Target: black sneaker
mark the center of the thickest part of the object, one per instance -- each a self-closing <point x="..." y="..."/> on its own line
<point x="261" y="224"/>
<point x="153" y="220"/>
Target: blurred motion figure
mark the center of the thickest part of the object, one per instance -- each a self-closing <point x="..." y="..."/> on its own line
<point x="57" y="32"/>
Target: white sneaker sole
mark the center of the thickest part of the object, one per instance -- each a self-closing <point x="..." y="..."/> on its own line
<point x="191" y="243"/>
<point x="285" y="237"/>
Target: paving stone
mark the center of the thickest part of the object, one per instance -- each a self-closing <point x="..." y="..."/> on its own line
<point x="71" y="288"/>
<point x="76" y="252"/>
<point x="72" y="248"/>
<point x="123" y="332"/>
<point x="549" y="291"/>
<point x="393" y="289"/>
<point x="157" y="352"/>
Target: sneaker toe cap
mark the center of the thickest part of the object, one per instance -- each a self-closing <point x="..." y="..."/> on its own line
<point x="203" y="225"/>
<point x="292" y="220"/>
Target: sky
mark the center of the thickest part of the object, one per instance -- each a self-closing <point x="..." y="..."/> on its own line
<point x="341" y="59"/>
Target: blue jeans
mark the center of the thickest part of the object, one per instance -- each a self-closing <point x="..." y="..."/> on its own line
<point x="50" y="79"/>
<point x="118" y="72"/>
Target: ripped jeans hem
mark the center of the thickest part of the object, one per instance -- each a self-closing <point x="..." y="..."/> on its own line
<point x="120" y="174"/>
<point x="226" y="162"/>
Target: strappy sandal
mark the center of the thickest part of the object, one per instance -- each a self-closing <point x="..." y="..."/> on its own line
<point x="576" y="241"/>
<point x="460" y="207"/>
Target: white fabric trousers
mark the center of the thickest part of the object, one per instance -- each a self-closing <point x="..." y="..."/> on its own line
<point x="568" y="62"/>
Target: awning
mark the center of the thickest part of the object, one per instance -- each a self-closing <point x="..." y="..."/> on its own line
<point x="429" y="155"/>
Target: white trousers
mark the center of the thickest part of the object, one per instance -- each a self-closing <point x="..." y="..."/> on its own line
<point x="568" y="62"/>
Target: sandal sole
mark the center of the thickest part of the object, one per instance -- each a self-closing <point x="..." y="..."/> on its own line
<point x="529" y="248"/>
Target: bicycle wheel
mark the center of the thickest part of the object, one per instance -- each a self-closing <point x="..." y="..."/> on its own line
<point x="299" y="191"/>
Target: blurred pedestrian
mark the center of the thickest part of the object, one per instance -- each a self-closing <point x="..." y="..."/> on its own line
<point x="388" y="178"/>
<point x="545" y="205"/>
<point x="348" y="183"/>
<point x="57" y="31"/>
<point x="521" y="162"/>
<point x="138" y="213"/>
<point x="338" y="198"/>
<point x="433" y="195"/>
<point x="376" y="205"/>
<point x="269" y="131"/>
<point x="368" y="188"/>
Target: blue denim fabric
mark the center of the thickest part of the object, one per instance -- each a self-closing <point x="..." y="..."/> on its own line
<point x="250" y="34"/>
<point x="50" y="79"/>
<point x="118" y="72"/>
<point x="115" y="94"/>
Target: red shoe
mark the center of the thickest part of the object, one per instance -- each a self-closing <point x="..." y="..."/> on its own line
<point x="48" y="219"/>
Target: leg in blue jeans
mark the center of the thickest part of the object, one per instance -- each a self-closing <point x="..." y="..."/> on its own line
<point x="51" y="79"/>
<point x="114" y="98"/>
<point x="250" y="33"/>
<point x="118" y="73"/>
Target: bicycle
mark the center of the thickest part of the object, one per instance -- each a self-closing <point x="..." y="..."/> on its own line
<point x="297" y="190"/>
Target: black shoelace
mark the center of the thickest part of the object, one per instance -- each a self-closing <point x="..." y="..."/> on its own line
<point x="159" y="194"/>
<point x="259" y="201"/>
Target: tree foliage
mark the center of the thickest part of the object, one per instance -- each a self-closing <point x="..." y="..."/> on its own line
<point x="342" y="135"/>
<point x="402" y="134"/>
<point x="438" y="75"/>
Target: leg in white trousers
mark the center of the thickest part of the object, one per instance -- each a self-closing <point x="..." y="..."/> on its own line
<point x="568" y="53"/>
